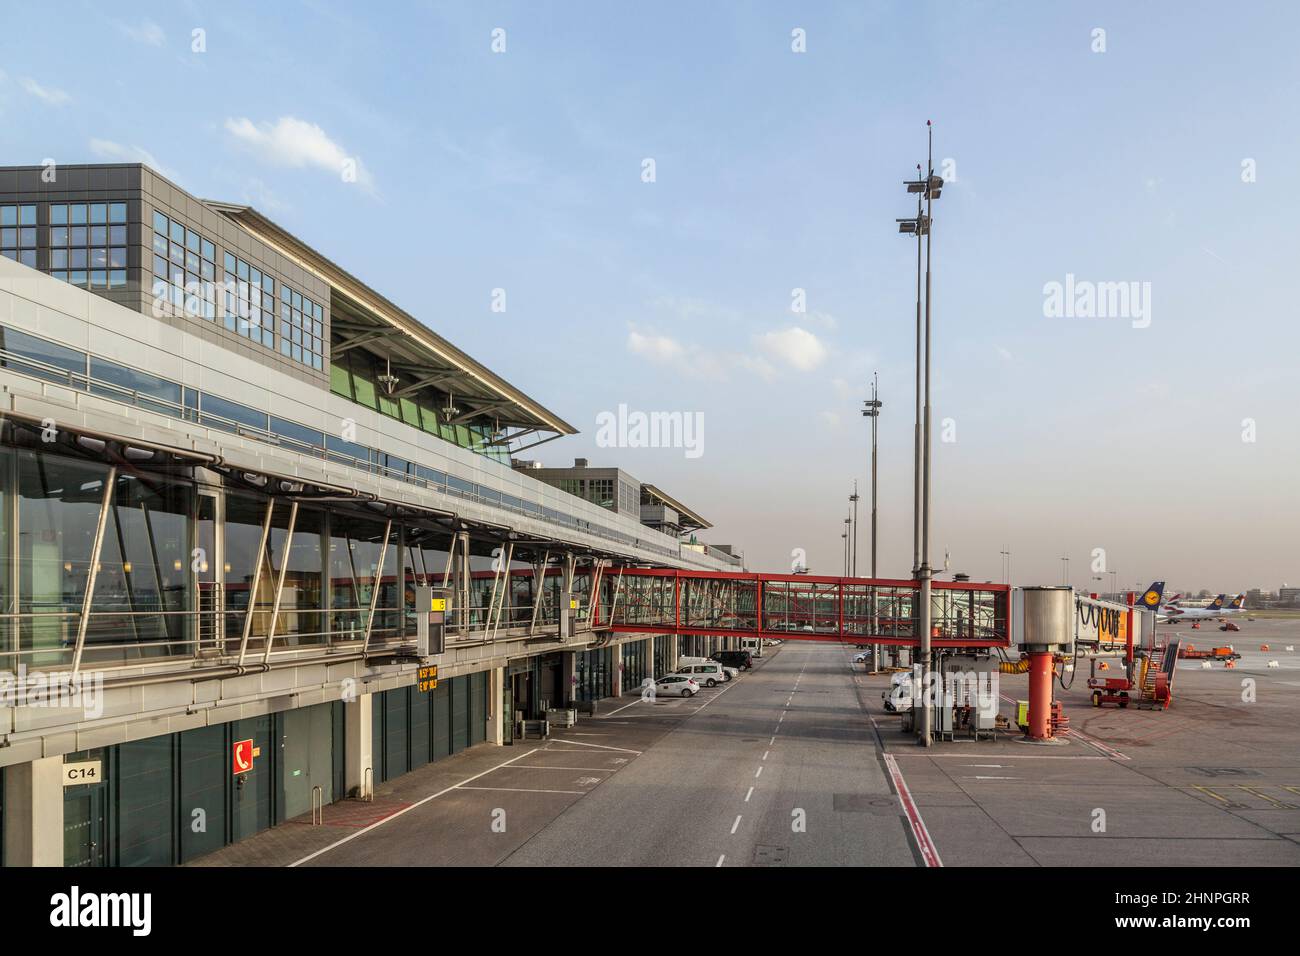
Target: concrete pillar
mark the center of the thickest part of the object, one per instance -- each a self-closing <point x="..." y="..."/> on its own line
<point x="34" y="813"/>
<point x="358" y="744"/>
<point x="616" y="665"/>
<point x="496" y="727"/>
<point x="569" y="674"/>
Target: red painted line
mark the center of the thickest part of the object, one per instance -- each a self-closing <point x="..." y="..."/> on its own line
<point x="929" y="852"/>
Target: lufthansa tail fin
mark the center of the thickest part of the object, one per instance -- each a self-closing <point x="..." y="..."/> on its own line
<point x="1150" y="598"/>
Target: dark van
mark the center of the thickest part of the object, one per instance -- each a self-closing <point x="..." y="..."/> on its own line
<point x="742" y="660"/>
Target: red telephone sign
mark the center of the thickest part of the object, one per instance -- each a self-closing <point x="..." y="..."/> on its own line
<point x="243" y="756"/>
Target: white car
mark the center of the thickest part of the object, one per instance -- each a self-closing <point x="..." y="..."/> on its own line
<point x="685" y="663"/>
<point x="706" y="675"/>
<point x="676" y="685"/>
<point x="863" y="658"/>
<point x="899" y="696"/>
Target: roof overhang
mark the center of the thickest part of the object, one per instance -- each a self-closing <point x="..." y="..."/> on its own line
<point x="696" y="520"/>
<point x="420" y="357"/>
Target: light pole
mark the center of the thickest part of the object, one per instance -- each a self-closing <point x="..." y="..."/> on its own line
<point x="1007" y="554"/>
<point x="872" y="411"/>
<point x="929" y="188"/>
<point x="853" y="500"/>
<point x="1065" y="570"/>
<point x="848" y="544"/>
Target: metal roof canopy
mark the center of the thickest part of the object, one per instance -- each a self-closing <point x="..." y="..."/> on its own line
<point x="694" y="520"/>
<point x="419" y="356"/>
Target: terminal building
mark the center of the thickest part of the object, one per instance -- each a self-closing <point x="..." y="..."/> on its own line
<point x="226" y="466"/>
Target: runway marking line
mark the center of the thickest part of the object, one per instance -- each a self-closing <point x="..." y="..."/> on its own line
<point x="750" y="794"/>
<point x="735" y="826"/>
<point x="929" y="852"/>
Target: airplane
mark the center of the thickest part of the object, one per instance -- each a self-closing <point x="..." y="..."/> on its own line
<point x="1149" y="600"/>
<point x="1236" y="605"/>
<point x="1215" y="609"/>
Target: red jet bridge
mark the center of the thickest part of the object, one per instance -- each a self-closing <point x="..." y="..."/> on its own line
<point x="801" y="607"/>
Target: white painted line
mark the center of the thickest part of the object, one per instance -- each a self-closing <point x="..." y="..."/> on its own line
<point x="765" y="753"/>
<point x="758" y="773"/>
<point x="583" y="743"/>
<point x="904" y="753"/>
<point x="720" y="859"/>
<point x="1108" y="750"/>
<point x="623" y="708"/>
<point x="735" y="826"/>
<point x="977" y="777"/>
<point x="929" y="852"/>
<point x="433" y="796"/>
<point x="538" y="766"/>
<point x="524" y="790"/>
<point x="772" y="741"/>
<point x="750" y="794"/>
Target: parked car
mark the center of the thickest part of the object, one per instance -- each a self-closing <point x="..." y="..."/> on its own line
<point x="863" y="658"/>
<point x="709" y="674"/>
<point x="676" y="685"/>
<point x="741" y="660"/>
<point x="899" y="696"/>
<point x="728" y="672"/>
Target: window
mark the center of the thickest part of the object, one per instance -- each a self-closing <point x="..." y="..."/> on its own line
<point x="183" y="268"/>
<point x="18" y="234"/>
<point x="88" y="243"/>
<point x="302" y="326"/>
<point x="247" y="304"/>
<point x="126" y="384"/>
<point x="48" y="359"/>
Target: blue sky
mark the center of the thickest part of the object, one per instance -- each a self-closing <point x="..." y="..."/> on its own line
<point x="776" y="171"/>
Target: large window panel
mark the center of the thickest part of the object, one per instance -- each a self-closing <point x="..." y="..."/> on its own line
<point x="355" y="545"/>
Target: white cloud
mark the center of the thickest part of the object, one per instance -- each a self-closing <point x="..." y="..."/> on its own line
<point x="758" y="365"/>
<point x="120" y="153"/>
<point x="146" y="32"/>
<point x="796" y="347"/>
<point x="823" y="319"/>
<point x="657" y="348"/>
<point x="297" y="143"/>
<point x="1003" y="353"/>
<point x="48" y="95"/>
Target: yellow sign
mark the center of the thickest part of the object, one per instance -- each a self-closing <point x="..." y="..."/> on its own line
<point x="427" y="678"/>
<point x="437" y="604"/>
<point x="573" y="604"/>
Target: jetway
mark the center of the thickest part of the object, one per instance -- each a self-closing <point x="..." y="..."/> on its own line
<point x="801" y="607"/>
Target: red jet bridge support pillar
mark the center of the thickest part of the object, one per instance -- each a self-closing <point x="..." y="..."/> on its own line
<point x="1048" y="629"/>
<point x="1040" y="696"/>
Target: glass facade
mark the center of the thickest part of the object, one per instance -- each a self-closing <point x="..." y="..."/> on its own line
<point x="18" y="234"/>
<point x="36" y="357"/>
<point x="595" y="673"/>
<point x="354" y="376"/>
<point x="184" y="269"/>
<point x="248" y="301"/>
<point x="302" y="327"/>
